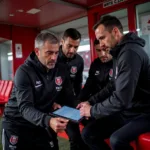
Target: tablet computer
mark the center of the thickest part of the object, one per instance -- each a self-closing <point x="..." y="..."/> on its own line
<point x="69" y="113"/>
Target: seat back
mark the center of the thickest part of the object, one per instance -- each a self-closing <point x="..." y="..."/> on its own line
<point x="1" y="85"/>
<point x="8" y="91"/>
<point x="3" y="89"/>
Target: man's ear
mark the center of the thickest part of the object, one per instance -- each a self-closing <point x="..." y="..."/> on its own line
<point x="36" y="51"/>
<point x="116" y="30"/>
<point x="62" y="41"/>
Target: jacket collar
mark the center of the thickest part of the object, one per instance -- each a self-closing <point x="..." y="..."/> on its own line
<point x="127" y="38"/>
<point x="63" y="57"/>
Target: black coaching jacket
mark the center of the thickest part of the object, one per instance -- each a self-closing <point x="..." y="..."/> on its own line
<point x="132" y="80"/>
<point x="75" y="67"/>
<point x="98" y="85"/>
<point x="34" y="92"/>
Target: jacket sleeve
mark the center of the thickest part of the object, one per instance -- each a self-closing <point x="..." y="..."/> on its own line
<point x="87" y="90"/>
<point x="102" y="94"/>
<point x="25" y="100"/>
<point x="78" y="79"/>
<point x="129" y="66"/>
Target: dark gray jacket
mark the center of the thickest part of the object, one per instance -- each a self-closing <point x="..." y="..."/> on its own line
<point x="98" y="85"/>
<point x="132" y="80"/>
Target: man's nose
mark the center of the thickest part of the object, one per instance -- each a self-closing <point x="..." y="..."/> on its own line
<point x="72" y="50"/>
<point x="102" y="44"/>
<point x="54" y="57"/>
<point x="103" y="53"/>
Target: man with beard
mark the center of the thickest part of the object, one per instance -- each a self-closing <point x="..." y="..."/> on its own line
<point x="68" y="55"/>
<point x="38" y="84"/>
<point x="74" y="62"/>
<point x="98" y="85"/>
<point x="129" y="105"/>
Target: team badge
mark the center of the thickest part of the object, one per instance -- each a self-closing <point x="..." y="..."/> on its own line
<point x="13" y="139"/>
<point x="111" y="72"/>
<point x="58" y="80"/>
<point x="73" y="69"/>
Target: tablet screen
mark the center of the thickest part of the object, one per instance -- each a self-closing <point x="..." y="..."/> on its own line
<point x="69" y="113"/>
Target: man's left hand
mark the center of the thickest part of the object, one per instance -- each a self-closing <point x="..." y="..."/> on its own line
<point x="85" y="110"/>
<point x="56" y="106"/>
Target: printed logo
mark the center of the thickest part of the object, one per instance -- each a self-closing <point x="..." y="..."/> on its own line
<point x="73" y="69"/>
<point x="51" y="144"/>
<point x="38" y="84"/>
<point x="97" y="72"/>
<point x="111" y="72"/>
<point x="13" y="139"/>
<point x="58" y="80"/>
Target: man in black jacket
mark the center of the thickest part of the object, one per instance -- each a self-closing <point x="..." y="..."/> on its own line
<point x="38" y="83"/>
<point x="68" y="56"/>
<point x="126" y="113"/>
<point x="98" y="85"/>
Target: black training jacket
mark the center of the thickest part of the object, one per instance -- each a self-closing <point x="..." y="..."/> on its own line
<point x="75" y="67"/>
<point x="132" y="80"/>
<point x="34" y="92"/>
<point x="98" y="85"/>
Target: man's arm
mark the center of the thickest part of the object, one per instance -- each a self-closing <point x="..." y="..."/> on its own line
<point x="129" y="66"/>
<point x="25" y="100"/>
<point x="102" y="94"/>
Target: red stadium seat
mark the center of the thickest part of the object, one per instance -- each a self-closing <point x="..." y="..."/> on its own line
<point x="3" y="90"/>
<point x="8" y="91"/>
<point x="1" y="84"/>
<point x="143" y="142"/>
<point x="4" y="94"/>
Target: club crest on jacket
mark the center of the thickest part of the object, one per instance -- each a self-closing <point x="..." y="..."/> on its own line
<point x="58" y="80"/>
<point x="13" y="139"/>
<point x="73" y="70"/>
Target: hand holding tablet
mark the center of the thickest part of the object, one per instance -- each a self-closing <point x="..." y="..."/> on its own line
<point x="69" y="113"/>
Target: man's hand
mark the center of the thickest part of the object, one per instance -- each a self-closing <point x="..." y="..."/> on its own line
<point x="58" y="124"/>
<point x="80" y="104"/>
<point x="85" y="110"/>
<point x="56" y="106"/>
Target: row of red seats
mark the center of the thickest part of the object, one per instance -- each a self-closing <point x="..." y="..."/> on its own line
<point x="142" y="143"/>
<point x="5" y="90"/>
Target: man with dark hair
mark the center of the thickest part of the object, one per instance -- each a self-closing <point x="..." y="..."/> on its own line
<point x="129" y="105"/>
<point x="100" y="74"/>
<point x="74" y="62"/>
<point x="68" y="55"/>
<point x="38" y="84"/>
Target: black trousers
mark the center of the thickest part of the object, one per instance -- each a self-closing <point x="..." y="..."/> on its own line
<point x="120" y="130"/>
<point x="76" y="142"/>
<point x="16" y="137"/>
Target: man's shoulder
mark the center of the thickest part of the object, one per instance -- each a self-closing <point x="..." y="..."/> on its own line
<point x="24" y="69"/>
<point x="79" y="58"/>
